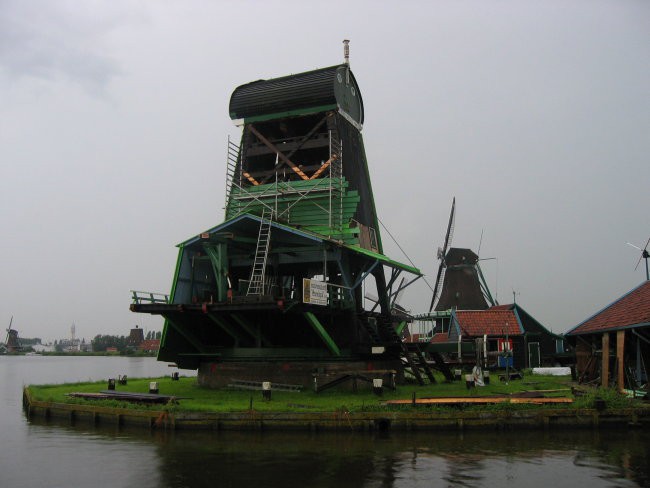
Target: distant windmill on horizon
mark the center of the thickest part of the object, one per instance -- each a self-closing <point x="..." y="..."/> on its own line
<point x="12" y="342"/>
<point x="644" y="255"/>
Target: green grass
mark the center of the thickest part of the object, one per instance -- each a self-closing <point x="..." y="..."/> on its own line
<point x="198" y="399"/>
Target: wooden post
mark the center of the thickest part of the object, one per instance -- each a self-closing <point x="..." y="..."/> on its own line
<point x="604" y="367"/>
<point x="620" y="349"/>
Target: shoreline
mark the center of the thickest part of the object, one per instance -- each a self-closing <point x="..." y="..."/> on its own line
<point x="339" y="420"/>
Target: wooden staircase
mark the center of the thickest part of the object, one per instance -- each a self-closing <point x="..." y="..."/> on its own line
<point x="411" y="353"/>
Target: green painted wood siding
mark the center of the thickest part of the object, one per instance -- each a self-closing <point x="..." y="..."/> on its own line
<point x="309" y="212"/>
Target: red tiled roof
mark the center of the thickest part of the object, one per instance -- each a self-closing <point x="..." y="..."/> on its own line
<point x="491" y="322"/>
<point x="507" y="306"/>
<point x="440" y="337"/>
<point x="412" y="337"/>
<point x="632" y="308"/>
<point x="150" y="345"/>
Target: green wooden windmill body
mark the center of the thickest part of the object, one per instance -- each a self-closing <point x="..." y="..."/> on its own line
<point x="280" y="280"/>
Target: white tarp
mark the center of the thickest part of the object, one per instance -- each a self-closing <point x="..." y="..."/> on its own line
<point x="558" y="371"/>
<point x="477" y="373"/>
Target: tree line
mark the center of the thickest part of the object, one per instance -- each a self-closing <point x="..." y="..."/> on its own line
<point x="121" y="343"/>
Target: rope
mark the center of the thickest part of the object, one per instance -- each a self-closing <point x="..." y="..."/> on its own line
<point x="403" y="252"/>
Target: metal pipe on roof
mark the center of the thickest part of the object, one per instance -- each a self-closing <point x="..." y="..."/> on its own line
<point x="346" y="55"/>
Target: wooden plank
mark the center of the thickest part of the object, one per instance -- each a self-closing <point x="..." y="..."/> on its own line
<point x="480" y="401"/>
<point x="604" y="375"/>
<point x="314" y="212"/>
<point x="300" y="185"/>
<point x="305" y="204"/>
<point x="542" y="401"/>
<point x="304" y="214"/>
<point x="321" y="198"/>
<point x="258" y="385"/>
<point x="323" y="228"/>
<point x="620" y="364"/>
<point x="125" y="396"/>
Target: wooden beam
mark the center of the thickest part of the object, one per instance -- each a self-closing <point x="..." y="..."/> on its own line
<point x="188" y="336"/>
<point x="322" y="168"/>
<point x="620" y="363"/>
<point x="480" y="400"/>
<point x="281" y="155"/>
<point x="255" y="333"/>
<point x="604" y="367"/>
<point x="291" y="146"/>
<point x="250" y="178"/>
<point x="380" y="282"/>
<point x="322" y="333"/>
<point x="265" y="175"/>
<point x="226" y="328"/>
<point x="309" y="134"/>
<point x="400" y="327"/>
<point x="303" y="140"/>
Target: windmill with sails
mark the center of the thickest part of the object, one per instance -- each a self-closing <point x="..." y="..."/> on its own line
<point x="460" y="283"/>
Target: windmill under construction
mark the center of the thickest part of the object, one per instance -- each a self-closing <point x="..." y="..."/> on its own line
<point x="274" y="292"/>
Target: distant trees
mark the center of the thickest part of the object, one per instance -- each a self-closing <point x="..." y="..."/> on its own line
<point x="30" y="341"/>
<point x="121" y="343"/>
<point x="102" y="342"/>
<point x="153" y="335"/>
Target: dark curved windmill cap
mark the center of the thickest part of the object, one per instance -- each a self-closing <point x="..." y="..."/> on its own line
<point x="458" y="256"/>
<point x="332" y="88"/>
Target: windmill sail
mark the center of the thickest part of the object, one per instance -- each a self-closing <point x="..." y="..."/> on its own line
<point x="442" y="253"/>
<point x="644" y="255"/>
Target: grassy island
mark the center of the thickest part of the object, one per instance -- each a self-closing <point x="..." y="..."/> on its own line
<point x="198" y="407"/>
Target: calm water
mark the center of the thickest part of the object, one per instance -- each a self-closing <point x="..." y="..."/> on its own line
<point x="39" y="453"/>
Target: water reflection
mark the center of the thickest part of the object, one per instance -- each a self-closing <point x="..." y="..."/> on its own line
<point x="55" y="454"/>
<point x="475" y="459"/>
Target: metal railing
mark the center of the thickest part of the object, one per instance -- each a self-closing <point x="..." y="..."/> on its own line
<point x="140" y="297"/>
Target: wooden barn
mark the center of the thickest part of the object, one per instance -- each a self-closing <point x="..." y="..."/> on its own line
<point x="613" y="345"/>
<point x="497" y="328"/>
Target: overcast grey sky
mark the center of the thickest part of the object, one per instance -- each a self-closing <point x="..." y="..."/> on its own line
<point x="114" y="120"/>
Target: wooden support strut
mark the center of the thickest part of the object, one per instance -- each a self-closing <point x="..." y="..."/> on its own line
<point x="322" y="333"/>
<point x="324" y="167"/>
<point x="620" y="362"/>
<point x="188" y="336"/>
<point x="302" y="141"/>
<point x="604" y="375"/>
<point x="248" y="176"/>
<point x="285" y="159"/>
